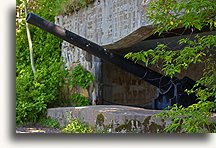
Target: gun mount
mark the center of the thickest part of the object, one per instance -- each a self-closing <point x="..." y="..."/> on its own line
<point x="171" y="90"/>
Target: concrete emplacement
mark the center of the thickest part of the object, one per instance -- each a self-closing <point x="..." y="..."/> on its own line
<point x="112" y="118"/>
<point x="118" y="26"/>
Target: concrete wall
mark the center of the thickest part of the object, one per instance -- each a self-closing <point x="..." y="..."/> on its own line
<point x="72" y="57"/>
<point x="120" y="87"/>
<point x="111" y="23"/>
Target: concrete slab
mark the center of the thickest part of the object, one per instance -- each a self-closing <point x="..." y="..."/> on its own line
<point x="113" y="118"/>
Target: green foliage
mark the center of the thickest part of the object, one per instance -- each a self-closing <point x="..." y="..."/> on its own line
<point x="82" y="78"/>
<point x="80" y="100"/>
<point x="49" y="122"/>
<point x="172" y="14"/>
<point x="174" y="61"/>
<point x="77" y="126"/>
<point x="71" y="6"/>
<point x="35" y="93"/>
<point x="193" y="119"/>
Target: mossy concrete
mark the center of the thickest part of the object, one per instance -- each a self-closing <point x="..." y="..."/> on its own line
<point x="112" y="118"/>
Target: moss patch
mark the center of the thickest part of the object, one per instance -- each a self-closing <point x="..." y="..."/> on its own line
<point x="146" y="126"/>
<point x="152" y="127"/>
<point x="100" y="120"/>
<point x="146" y="121"/>
<point x="70" y="6"/>
<point x="129" y="126"/>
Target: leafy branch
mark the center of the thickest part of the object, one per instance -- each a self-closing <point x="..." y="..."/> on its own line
<point x="189" y="14"/>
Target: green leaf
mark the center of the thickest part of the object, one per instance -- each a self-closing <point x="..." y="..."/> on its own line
<point x="18" y="2"/>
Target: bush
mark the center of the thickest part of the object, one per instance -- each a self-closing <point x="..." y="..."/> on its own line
<point x="82" y="78"/>
<point x="77" y="126"/>
<point x="34" y="93"/>
<point x="80" y="100"/>
<point x="169" y="15"/>
<point x="49" y="122"/>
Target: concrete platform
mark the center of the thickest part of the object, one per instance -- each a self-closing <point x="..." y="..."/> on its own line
<point x="112" y="118"/>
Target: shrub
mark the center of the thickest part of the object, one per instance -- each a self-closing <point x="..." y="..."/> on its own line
<point x="168" y="15"/>
<point x="82" y="78"/>
<point x="77" y="126"/>
<point x="34" y="93"/>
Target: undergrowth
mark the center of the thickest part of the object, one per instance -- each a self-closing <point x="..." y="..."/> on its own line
<point x="37" y="92"/>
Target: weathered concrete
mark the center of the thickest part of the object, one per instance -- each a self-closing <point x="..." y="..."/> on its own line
<point x="113" y="118"/>
<point x="113" y="24"/>
<point x="120" y="87"/>
<point x="73" y="56"/>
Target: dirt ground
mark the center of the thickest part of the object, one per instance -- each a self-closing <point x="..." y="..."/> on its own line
<point x="36" y="129"/>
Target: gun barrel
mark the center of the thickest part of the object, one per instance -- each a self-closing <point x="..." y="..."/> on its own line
<point x="140" y="71"/>
<point x="171" y="90"/>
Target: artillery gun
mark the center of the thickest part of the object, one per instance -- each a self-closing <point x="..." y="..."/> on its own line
<point x="171" y="90"/>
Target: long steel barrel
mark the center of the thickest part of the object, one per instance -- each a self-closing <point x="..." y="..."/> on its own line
<point x="142" y="72"/>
